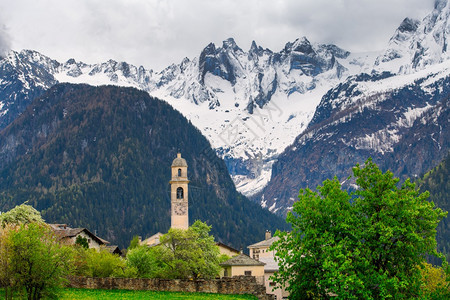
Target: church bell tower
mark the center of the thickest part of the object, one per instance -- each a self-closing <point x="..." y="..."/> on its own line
<point x="179" y="194"/>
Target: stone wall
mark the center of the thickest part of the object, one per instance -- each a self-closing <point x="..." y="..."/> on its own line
<point x="225" y="285"/>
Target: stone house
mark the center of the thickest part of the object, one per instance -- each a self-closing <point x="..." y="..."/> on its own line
<point x="69" y="235"/>
<point x="243" y="265"/>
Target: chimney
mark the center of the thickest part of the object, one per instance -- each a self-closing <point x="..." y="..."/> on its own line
<point x="268" y="234"/>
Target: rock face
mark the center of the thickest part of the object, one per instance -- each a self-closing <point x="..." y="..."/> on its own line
<point x="225" y="89"/>
<point x="403" y="127"/>
<point x="398" y="115"/>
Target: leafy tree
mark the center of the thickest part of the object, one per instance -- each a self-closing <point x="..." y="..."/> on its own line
<point x="105" y="264"/>
<point x="434" y="283"/>
<point x="82" y="242"/>
<point x="134" y="242"/>
<point x="145" y="261"/>
<point x="364" y="245"/>
<point x="39" y="262"/>
<point x="21" y="214"/>
<point x="189" y="253"/>
<point x="5" y="257"/>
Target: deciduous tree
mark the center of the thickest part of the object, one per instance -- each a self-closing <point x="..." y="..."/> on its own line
<point x="363" y="245"/>
<point x="38" y="261"/>
<point x="189" y="253"/>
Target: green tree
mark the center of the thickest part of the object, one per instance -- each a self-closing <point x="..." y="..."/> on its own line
<point x="189" y="253"/>
<point x="82" y="242"/>
<point x="134" y="242"/>
<point x="5" y="258"/>
<point x="145" y="261"/>
<point x="38" y="261"/>
<point x="102" y="263"/>
<point x="21" y="214"/>
<point x="364" y="245"/>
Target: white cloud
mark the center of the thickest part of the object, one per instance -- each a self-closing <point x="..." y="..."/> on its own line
<point x="155" y="33"/>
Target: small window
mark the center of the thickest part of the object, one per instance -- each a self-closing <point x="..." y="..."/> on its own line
<point x="179" y="172"/>
<point x="248" y="273"/>
<point x="180" y="193"/>
<point x="271" y="283"/>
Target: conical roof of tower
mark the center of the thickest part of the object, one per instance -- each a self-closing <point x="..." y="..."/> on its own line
<point x="179" y="161"/>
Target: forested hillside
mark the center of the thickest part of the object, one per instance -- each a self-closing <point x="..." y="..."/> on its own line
<point x="437" y="183"/>
<point x="99" y="157"/>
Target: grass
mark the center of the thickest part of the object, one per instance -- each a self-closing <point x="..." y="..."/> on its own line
<point x="87" y="294"/>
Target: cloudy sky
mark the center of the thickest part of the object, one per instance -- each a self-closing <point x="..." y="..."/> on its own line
<point x="156" y="33"/>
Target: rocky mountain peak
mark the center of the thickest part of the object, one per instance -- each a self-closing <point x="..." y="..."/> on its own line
<point x="299" y="45"/>
<point x="440" y="4"/>
<point x="409" y="25"/>
<point x="230" y="44"/>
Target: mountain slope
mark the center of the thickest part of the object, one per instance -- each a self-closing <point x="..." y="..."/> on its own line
<point x="397" y="114"/>
<point x="403" y="126"/>
<point x="100" y="158"/>
<point x="267" y="97"/>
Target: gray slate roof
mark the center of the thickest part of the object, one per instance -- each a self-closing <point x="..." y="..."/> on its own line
<point x="265" y="243"/>
<point x="242" y="260"/>
<point x="271" y="264"/>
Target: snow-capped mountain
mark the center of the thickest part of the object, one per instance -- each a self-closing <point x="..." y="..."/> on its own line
<point x="399" y="117"/>
<point x="418" y="44"/>
<point x="253" y="104"/>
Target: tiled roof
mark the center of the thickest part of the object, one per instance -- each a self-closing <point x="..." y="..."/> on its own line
<point x="242" y="260"/>
<point x="265" y="243"/>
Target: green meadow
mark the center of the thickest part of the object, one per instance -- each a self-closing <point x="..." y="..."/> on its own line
<point x="88" y="294"/>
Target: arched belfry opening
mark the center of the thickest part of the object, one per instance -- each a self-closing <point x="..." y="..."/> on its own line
<point x="180" y="193"/>
<point x="179" y="172"/>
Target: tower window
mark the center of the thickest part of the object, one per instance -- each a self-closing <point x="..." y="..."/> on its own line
<point x="179" y="172"/>
<point x="180" y="193"/>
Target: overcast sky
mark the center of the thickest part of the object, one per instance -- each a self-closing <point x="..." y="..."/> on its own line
<point x="156" y="33"/>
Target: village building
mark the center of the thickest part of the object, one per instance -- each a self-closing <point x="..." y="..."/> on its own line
<point x="151" y="241"/>
<point x="227" y="250"/>
<point x="243" y="265"/>
<point x="69" y="235"/>
<point x="261" y="251"/>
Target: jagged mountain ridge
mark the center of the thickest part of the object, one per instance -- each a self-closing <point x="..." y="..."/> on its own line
<point x="399" y="117"/>
<point x="99" y="157"/>
<point x="224" y="86"/>
<point x="250" y="104"/>
<point x="403" y="128"/>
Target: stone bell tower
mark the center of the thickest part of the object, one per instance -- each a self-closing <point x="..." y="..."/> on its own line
<point x="179" y="193"/>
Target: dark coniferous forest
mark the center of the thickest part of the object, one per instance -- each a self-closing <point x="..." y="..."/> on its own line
<point x="99" y="157"/>
<point x="437" y="183"/>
